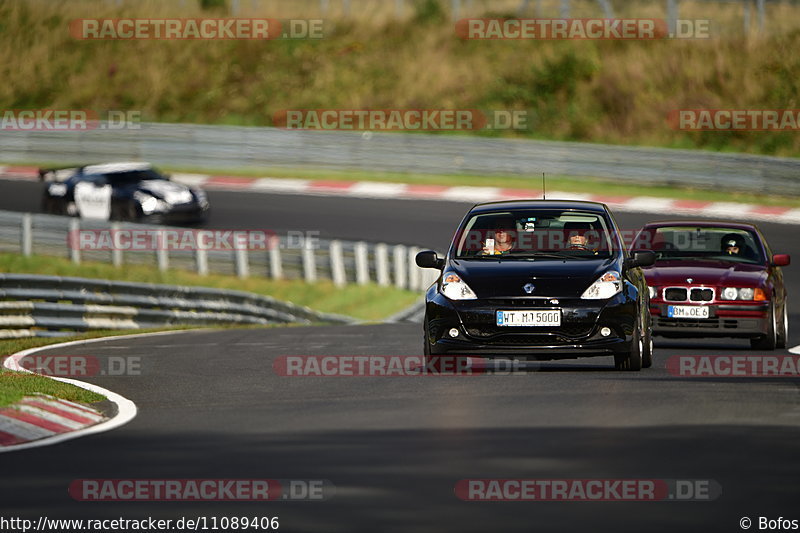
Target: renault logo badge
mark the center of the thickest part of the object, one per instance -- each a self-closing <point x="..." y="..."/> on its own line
<point x="529" y="288"/>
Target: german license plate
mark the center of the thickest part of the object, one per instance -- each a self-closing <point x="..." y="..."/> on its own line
<point x="687" y="311"/>
<point x="549" y="317"/>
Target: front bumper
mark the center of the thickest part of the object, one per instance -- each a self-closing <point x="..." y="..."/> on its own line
<point x="578" y="336"/>
<point x="725" y="320"/>
<point x="182" y="214"/>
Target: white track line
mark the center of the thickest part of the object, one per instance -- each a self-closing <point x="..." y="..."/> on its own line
<point x="126" y="409"/>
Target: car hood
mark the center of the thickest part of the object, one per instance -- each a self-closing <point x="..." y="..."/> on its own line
<point x="169" y="191"/>
<point x="506" y="278"/>
<point x="711" y="272"/>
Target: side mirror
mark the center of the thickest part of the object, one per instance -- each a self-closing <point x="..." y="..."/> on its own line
<point x="429" y="259"/>
<point x="781" y="260"/>
<point x="643" y="258"/>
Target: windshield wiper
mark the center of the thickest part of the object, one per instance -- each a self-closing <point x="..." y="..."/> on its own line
<point x="554" y="255"/>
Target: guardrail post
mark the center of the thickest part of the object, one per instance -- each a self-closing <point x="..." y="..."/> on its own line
<point x="75" y="249"/>
<point x="413" y="269"/>
<point x="309" y="260"/>
<point x="242" y="262"/>
<point x="275" y="265"/>
<point x="116" y="252"/>
<point x="398" y="8"/>
<point x="399" y="254"/>
<point x="162" y="257"/>
<point x="362" y="263"/>
<point x="337" y="264"/>
<point x="382" y="264"/>
<point x="26" y="235"/>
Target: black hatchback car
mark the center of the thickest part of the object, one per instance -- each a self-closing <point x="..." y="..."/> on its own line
<point x="539" y="279"/>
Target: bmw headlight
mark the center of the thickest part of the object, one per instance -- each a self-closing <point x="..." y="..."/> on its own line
<point x="653" y="291"/>
<point x="605" y="287"/>
<point x="454" y="288"/>
<point x="745" y="293"/>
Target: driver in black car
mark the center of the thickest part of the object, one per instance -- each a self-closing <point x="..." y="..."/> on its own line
<point x="503" y="240"/>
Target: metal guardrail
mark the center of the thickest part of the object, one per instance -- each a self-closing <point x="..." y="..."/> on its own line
<point x="343" y="262"/>
<point x="225" y="147"/>
<point x="54" y="306"/>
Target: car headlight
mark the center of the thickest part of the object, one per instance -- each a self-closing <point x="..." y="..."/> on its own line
<point x="745" y="293"/>
<point x="57" y="189"/>
<point x="605" y="287"/>
<point x="201" y="196"/>
<point x="150" y="204"/>
<point x="454" y="288"/>
<point x="653" y="291"/>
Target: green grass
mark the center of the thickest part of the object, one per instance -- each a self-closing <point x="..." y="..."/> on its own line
<point x="366" y="302"/>
<point x="610" y="91"/>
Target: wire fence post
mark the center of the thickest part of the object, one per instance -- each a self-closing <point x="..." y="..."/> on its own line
<point x="337" y="264"/>
<point x="201" y="261"/>
<point x="26" y="235"/>
<point x="455" y="9"/>
<point x="413" y="269"/>
<point x="382" y="264"/>
<point x="116" y="251"/>
<point x="162" y="257"/>
<point x="399" y="254"/>
<point x="275" y="260"/>
<point x="362" y="263"/>
<point x="760" y="7"/>
<point x="242" y="262"/>
<point x="309" y="260"/>
<point x="75" y="249"/>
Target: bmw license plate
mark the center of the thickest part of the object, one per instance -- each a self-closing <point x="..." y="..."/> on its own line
<point x="687" y="311"/>
<point x="549" y="317"/>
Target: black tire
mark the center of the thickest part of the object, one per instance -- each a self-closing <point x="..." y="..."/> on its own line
<point x="782" y="334"/>
<point x="426" y="349"/>
<point x="631" y="361"/>
<point x="769" y="341"/>
<point x="647" y="349"/>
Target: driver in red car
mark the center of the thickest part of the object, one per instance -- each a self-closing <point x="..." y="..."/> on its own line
<point x="732" y="244"/>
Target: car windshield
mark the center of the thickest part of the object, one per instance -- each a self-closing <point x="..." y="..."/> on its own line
<point x="133" y="176"/>
<point x="702" y="243"/>
<point x="535" y="235"/>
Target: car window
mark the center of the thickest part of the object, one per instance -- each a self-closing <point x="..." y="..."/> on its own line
<point x="713" y="243"/>
<point x="535" y="234"/>
<point x="126" y="178"/>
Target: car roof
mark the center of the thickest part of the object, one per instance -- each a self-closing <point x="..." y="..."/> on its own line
<point x="113" y="168"/>
<point x="702" y="224"/>
<point x="488" y="207"/>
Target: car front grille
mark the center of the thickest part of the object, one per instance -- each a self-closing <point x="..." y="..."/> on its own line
<point x="683" y="294"/>
<point x="564" y="331"/>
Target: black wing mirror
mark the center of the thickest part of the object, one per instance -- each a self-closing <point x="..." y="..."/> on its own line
<point x="642" y="258"/>
<point x="429" y="259"/>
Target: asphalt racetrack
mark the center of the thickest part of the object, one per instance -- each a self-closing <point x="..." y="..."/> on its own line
<point x="211" y="406"/>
